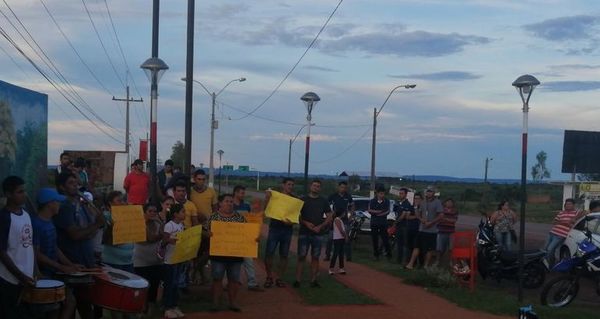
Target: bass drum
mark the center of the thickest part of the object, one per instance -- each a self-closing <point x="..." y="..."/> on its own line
<point x="119" y="290"/>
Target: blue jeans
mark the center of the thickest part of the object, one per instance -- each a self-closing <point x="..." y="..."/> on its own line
<point x="171" y="285"/>
<point x="312" y="241"/>
<point x="250" y="271"/>
<point x="232" y="268"/>
<point x="281" y="236"/>
<point x="503" y="240"/>
<point x="554" y="242"/>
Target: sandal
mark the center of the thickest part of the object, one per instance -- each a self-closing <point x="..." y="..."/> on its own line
<point x="279" y="283"/>
<point x="268" y="282"/>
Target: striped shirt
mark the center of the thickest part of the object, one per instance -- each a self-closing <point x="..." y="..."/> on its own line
<point x="448" y="223"/>
<point x="563" y="223"/>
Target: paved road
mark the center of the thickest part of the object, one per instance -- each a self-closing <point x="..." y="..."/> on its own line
<point x="535" y="233"/>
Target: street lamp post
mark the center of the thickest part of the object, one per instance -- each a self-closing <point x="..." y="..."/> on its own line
<point x="487" y="163"/>
<point x="525" y="84"/>
<point x="310" y="99"/>
<point x="154" y="69"/>
<point x="214" y="124"/>
<point x="375" y="115"/>
<point x="290" y="149"/>
<point x="220" y="152"/>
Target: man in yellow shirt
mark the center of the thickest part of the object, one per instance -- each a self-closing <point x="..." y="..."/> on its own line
<point x="191" y="212"/>
<point x="203" y="196"/>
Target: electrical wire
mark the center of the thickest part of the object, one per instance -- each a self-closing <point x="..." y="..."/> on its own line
<point x="345" y="150"/>
<point x="51" y="81"/>
<point x="48" y="62"/>
<point x="312" y="43"/>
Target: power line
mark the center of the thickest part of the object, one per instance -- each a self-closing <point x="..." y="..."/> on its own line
<point x="112" y="23"/>
<point x="48" y="62"/>
<point x="293" y="67"/>
<point x="37" y="67"/>
<point x="87" y="67"/>
<point x="102" y="43"/>
<point x="345" y="150"/>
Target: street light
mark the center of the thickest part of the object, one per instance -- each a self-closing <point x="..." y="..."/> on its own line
<point x="375" y="114"/>
<point x="310" y="99"/>
<point x="525" y="84"/>
<point x="154" y="69"/>
<point x="487" y="163"/>
<point x="220" y="152"/>
<point x="290" y="149"/>
<point x="213" y="126"/>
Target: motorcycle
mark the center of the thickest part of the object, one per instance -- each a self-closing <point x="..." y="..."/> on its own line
<point x="562" y="290"/>
<point x="356" y="223"/>
<point x="495" y="262"/>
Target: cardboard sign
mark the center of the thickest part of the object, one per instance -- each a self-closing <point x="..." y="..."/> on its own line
<point x="234" y="239"/>
<point x="187" y="245"/>
<point x="284" y="207"/>
<point x="254" y="218"/>
<point x="129" y="225"/>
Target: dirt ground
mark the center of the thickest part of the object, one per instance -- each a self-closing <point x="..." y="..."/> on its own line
<point x="398" y="300"/>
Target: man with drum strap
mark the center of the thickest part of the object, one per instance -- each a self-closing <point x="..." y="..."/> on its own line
<point x="16" y="248"/>
<point x="77" y="223"/>
<point x="47" y="254"/>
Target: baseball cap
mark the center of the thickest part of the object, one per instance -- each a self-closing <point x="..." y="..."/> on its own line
<point x="430" y="189"/>
<point x="47" y="195"/>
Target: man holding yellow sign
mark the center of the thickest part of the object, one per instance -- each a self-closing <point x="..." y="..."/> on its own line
<point x="232" y="239"/>
<point x="280" y="230"/>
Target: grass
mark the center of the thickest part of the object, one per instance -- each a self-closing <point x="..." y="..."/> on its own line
<point x="488" y="296"/>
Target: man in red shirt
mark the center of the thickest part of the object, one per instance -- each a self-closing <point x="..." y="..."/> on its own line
<point x="137" y="184"/>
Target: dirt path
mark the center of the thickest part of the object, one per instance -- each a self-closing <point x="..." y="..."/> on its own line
<point x="398" y="301"/>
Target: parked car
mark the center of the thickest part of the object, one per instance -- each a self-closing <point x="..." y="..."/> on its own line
<point x="577" y="235"/>
<point x="361" y="205"/>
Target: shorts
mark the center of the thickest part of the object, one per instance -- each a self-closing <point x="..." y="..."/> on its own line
<point x="312" y="241"/>
<point x="411" y="239"/>
<point x="233" y="269"/>
<point x="427" y="241"/>
<point x="279" y="236"/>
<point x="443" y="242"/>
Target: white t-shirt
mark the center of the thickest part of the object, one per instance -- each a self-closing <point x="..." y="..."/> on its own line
<point x="337" y="234"/>
<point x="172" y="228"/>
<point x="16" y="236"/>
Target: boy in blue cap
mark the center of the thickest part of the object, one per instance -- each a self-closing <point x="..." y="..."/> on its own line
<point x="47" y="254"/>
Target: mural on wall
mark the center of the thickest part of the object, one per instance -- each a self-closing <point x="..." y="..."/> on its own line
<point x="23" y="135"/>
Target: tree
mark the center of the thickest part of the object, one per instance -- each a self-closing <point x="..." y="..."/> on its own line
<point x="588" y="177"/>
<point x="539" y="171"/>
<point x="178" y="154"/>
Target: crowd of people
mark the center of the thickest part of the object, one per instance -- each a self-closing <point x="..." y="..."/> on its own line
<point x="70" y="231"/>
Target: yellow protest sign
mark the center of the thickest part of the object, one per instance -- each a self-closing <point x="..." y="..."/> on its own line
<point x="234" y="239"/>
<point x="187" y="244"/>
<point x="282" y="207"/>
<point x="129" y="225"/>
<point x="254" y="218"/>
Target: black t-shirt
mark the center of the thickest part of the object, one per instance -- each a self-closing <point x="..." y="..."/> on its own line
<point x="376" y="205"/>
<point x="401" y="207"/>
<point x="340" y="204"/>
<point x="312" y="212"/>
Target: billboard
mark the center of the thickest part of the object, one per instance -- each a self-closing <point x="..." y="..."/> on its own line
<point x="24" y="135"/>
<point x="581" y="150"/>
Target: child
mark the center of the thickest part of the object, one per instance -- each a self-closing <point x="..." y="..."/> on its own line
<point x="116" y="256"/>
<point x="16" y="249"/>
<point x="172" y="271"/>
<point x="47" y="254"/>
<point x="339" y="240"/>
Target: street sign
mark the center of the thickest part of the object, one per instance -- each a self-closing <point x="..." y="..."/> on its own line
<point x="228" y="167"/>
<point x="244" y="168"/>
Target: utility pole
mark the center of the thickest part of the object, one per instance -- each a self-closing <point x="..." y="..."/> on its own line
<point x="189" y="94"/>
<point x="487" y="162"/>
<point x="127" y="100"/>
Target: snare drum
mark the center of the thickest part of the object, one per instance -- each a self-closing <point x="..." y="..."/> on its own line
<point x="119" y="290"/>
<point x="76" y="279"/>
<point x="45" y="292"/>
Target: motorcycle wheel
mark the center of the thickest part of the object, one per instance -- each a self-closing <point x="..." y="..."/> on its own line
<point x="352" y="234"/>
<point x="535" y="274"/>
<point x="560" y="291"/>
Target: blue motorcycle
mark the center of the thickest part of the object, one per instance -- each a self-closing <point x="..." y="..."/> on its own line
<point x="562" y="290"/>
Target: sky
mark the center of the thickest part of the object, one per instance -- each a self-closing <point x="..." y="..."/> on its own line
<point x="462" y="56"/>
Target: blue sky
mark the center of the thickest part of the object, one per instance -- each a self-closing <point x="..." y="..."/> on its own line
<point x="463" y="56"/>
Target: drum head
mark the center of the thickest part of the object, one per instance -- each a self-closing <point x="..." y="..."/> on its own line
<point x="48" y="283"/>
<point x="124" y="278"/>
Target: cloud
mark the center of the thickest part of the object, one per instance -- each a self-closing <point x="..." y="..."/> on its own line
<point x="404" y="44"/>
<point x="320" y="68"/>
<point x="571" y="86"/>
<point x="579" y="27"/>
<point x="440" y="76"/>
<point x="287" y="137"/>
<point x="576" y="66"/>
